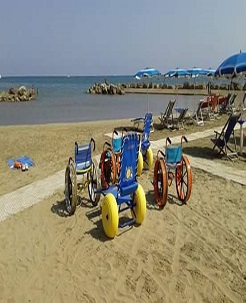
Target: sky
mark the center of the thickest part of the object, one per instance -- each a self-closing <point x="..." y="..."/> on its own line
<point x="117" y="37"/>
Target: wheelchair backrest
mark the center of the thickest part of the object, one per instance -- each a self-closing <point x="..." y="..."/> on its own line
<point x="117" y="144"/>
<point x="82" y="155"/>
<point x="128" y="164"/>
<point x="173" y="154"/>
<point x="146" y="132"/>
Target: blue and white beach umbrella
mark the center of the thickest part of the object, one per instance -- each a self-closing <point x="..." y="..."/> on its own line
<point x="197" y="71"/>
<point x="177" y="72"/>
<point x="233" y="66"/>
<point x="147" y="73"/>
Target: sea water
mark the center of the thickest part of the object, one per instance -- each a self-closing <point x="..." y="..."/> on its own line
<point x="65" y="99"/>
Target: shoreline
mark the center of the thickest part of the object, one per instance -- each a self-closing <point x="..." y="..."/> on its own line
<point x="180" y="92"/>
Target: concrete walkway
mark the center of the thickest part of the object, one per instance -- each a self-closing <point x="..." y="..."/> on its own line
<point x="36" y="192"/>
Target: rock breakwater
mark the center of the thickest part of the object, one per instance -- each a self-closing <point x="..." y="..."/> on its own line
<point x="17" y="94"/>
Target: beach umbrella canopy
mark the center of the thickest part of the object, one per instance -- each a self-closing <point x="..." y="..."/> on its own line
<point x="200" y="73"/>
<point x="233" y="66"/>
<point x="177" y="72"/>
<point x="197" y="71"/>
<point x="147" y="73"/>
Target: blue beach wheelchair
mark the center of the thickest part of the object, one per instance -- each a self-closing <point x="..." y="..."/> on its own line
<point x="145" y="158"/>
<point x="81" y="174"/>
<point x="127" y="193"/>
<point x="169" y="166"/>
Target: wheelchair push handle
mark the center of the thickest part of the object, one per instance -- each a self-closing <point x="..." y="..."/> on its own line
<point x="124" y="131"/>
<point x="107" y="145"/>
<point x="168" y="141"/>
<point x="94" y="143"/>
<point x="183" y="138"/>
<point x="115" y="132"/>
<point x="160" y="152"/>
<point x="70" y="160"/>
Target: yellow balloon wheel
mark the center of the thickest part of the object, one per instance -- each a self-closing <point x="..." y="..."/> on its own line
<point x="140" y="204"/>
<point x="140" y="164"/>
<point x="149" y="159"/>
<point x="110" y="215"/>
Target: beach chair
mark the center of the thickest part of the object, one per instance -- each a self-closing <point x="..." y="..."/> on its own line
<point x="229" y="105"/>
<point x="81" y="174"/>
<point x="210" y="107"/>
<point x="145" y="158"/>
<point x="165" y="116"/>
<point x="224" y="104"/>
<point x="127" y="194"/>
<point x="222" y="139"/>
<point x="170" y="165"/>
<point x="242" y="103"/>
<point x="178" y="122"/>
<point x="197" y="116"/>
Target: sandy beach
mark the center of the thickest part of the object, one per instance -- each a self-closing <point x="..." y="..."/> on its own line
<point x="182" y="253"/>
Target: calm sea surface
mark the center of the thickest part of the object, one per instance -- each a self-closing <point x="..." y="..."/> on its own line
<point x="64" y="99"/>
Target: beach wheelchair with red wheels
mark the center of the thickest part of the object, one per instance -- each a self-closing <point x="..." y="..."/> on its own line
<point x="169" y="166"/>
<point x="81" y="174"/>
<point x="145" y="158"/>
<point x="110" y="159"/>
<point x="127" y="194"/>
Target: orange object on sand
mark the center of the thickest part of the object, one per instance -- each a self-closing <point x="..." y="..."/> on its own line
<point x="17" y="164"/>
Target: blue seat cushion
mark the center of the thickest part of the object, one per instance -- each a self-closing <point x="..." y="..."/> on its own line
<point x="82" y="165"/>
<point x="173" y="154"/>
<point x="127" y="190"/>
<point x="117" y="144"/>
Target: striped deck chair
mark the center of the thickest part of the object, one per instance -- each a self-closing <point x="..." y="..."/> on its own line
<point x="222" y="139"/>
<point x="165" y="116"/>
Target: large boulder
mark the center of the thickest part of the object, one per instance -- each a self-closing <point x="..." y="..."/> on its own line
<point x="106" y="89"/>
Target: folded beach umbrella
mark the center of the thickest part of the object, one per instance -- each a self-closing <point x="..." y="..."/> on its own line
<point x="233" y="66"/>
<point x="147" y="73"/>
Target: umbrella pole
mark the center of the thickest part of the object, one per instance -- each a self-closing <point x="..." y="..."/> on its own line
<point x="148" y="98"/>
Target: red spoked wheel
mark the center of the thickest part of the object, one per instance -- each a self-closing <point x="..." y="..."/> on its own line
<point x="117" y="162"/>
<point x="160" y="182"/>
<point x="183" y="179"/>
<point x="108" y="168"/>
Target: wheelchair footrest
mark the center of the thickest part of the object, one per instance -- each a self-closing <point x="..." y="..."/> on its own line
<point x="128" y="223"/>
